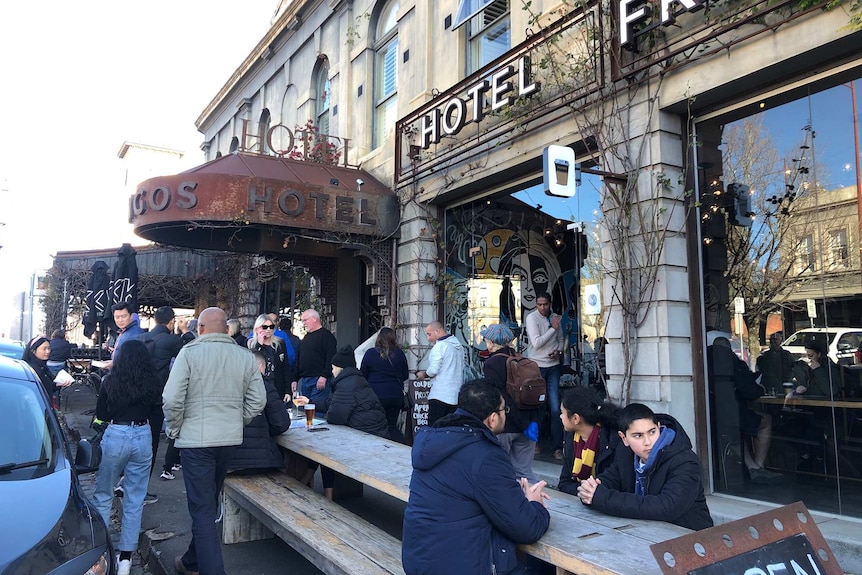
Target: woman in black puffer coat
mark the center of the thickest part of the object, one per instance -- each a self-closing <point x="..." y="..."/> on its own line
<point x="259" y="452"/>
<point x="352" y="402"/>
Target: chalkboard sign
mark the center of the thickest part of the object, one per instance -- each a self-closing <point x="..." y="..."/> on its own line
<point x="790" y="556"/>
<point x="419" y="391"/>
<point x="781" y="541"/>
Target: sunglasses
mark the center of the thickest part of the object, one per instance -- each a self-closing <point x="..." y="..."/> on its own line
<point x="267" y="326"/>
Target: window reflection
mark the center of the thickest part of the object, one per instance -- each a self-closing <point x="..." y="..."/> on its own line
<point x="789" y="265"/>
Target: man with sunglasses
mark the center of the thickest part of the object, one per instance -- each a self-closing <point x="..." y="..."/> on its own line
<point x="314" y="368"/>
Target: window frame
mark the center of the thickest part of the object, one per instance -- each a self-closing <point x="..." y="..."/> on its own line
<point x="385" y="43"/>
<point x="475" y="37"/>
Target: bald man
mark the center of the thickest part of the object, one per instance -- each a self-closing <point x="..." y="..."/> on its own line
<point x="213" y="391"/>
<point x="445" y="370"/>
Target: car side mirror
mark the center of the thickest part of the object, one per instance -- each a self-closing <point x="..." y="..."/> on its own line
<point x="88" y="456"/>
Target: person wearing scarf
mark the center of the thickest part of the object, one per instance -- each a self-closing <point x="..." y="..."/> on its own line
<point x="655" y="475"/>
<point x="590" y="438"/>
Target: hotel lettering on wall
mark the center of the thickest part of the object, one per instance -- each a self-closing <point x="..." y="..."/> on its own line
<point x="637" y="17"/>
<point x="490" y="94"/>
<point x="259" y="201"/>
<point x="263" y="142"/>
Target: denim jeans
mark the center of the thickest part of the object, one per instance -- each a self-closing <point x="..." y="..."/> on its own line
<point x="126" y="450"/>
<point x="204" y="470"/>
<point x="552" y="380"/>
<point x="308" y="388"/>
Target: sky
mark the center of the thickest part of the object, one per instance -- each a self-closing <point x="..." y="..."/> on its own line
<point x="79" y="79"/>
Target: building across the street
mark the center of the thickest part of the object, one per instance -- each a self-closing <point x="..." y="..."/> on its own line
<point x="391" y="152"/>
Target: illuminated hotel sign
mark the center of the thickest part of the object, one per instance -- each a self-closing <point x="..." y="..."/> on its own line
<point x="643" y="12"/>
<point x="499" y="89"/>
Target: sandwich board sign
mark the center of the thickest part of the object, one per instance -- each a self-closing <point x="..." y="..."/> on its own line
<point x="782" y="541"/>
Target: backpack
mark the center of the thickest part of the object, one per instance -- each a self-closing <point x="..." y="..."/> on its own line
<point x="524" y="382"/>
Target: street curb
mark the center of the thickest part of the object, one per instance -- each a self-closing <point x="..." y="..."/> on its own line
<point x="152" y="557"/>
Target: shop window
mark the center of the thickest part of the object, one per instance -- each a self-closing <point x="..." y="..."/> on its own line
<point x="792" y="268"/>
<point x="322" y="91"/>
<point x="489" y="34"/>
<point x="838" y="254"/>
<point x="385" y="73"/>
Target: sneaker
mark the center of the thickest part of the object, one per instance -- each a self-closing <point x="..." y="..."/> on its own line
<point x="176" y="467"/>
<point x="150" y="498"/>
<point x="119" y="491"/>
<point x="124" y="567"/>
<point x="558" y="455"/>
<point x="167" y="475"/>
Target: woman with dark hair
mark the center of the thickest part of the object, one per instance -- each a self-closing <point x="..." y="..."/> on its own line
<point x="131" y="395"/>
<point x="36" y="355"/>
<point x="590" y="436"/>
<point x="385" y="368"/>
<point x="824" y="378"/>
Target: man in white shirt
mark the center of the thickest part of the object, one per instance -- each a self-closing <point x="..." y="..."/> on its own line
<point x="445" y="370"/>
<point x="546" y="349"/>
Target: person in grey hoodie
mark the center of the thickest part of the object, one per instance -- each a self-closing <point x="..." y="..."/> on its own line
<point x="445" y="370"/>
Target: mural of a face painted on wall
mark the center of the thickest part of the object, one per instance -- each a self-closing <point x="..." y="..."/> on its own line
<point x="501" y="264"/>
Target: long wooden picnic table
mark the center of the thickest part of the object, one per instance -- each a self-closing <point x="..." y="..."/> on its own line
<point x="579" y="540"/>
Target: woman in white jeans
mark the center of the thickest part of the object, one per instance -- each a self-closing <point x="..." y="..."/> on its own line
<point x="131" y="395"/>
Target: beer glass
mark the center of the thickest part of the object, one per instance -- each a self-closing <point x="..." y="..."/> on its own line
<point x="309" y="415"/>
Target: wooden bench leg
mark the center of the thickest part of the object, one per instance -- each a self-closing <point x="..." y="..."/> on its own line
<point x="240" y="526"/>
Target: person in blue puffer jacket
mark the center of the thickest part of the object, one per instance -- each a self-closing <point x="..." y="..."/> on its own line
<point x="467" y="511"/>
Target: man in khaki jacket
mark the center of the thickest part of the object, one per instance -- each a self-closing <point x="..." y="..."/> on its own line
<point x="214" y="389"/>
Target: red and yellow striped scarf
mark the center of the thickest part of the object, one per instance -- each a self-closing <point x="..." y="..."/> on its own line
<point x="585" y="454"/>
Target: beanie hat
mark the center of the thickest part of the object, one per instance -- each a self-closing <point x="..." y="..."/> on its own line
<point x="344" y="357"/>
<point x="498" y="334"/>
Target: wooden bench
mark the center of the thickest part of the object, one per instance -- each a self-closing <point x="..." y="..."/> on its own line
<point x="331" y="537"/>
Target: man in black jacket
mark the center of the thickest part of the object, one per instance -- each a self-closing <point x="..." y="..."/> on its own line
<point x="655" y="474"/>
<point x="164" y="346"/>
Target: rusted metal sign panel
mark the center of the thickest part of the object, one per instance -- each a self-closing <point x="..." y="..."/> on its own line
<point x="783" y="541"/>
<point x="263" y="193"/>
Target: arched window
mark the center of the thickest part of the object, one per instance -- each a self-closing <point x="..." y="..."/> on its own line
<point x="263" y="124"/>
<point x="322" y="93"/>
<point x="385" y="72"/>
<point x="234" y="145"/>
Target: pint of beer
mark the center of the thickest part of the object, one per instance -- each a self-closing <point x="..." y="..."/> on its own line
<point x="309" y="415"/>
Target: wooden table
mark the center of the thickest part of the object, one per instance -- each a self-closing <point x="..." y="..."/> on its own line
<point x="579" y="540"/>
<point x="802" y="401"/>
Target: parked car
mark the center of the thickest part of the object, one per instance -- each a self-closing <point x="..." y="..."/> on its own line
<point x="842" y="342"/>
<point x="12" y="349"/>
<point x="48" y="525"/>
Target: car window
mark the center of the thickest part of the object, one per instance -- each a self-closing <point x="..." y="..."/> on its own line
<point x="800" y="337"/>
<point x="849" y="340"/>
<point x="25" y="433"/>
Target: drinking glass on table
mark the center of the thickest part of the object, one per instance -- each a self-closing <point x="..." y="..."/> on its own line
<point x="299" y="401"/>
<point x="309" y="415"/>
